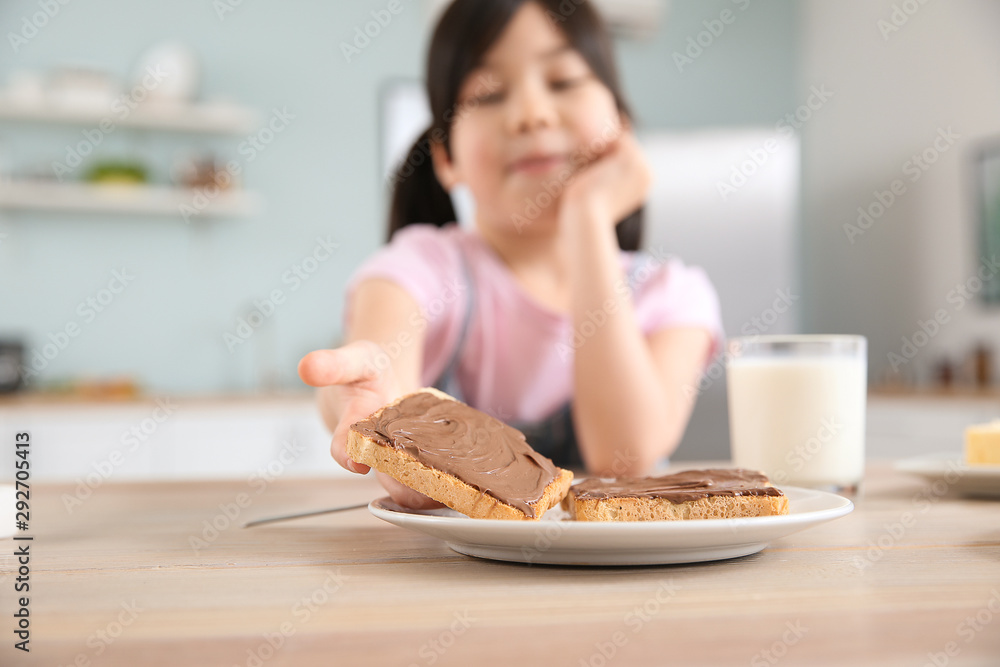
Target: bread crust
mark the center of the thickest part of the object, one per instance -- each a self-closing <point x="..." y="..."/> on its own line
<point x="624" y="508"/>
<point x="442" y="487"/>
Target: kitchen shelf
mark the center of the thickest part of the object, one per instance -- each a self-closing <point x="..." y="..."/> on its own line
<point x="124" y="199"/>
<point x="204" y="118"/>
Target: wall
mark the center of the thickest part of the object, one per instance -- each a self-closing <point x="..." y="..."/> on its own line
<point x="744" y="76"/>
<point x="894" y="90"/>
<point x="318" y="177"/>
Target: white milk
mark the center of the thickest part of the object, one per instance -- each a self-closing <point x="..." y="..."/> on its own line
<point x="799" y="419"/>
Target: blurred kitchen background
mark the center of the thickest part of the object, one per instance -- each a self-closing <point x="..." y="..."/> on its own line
<point x="185" y="188"/>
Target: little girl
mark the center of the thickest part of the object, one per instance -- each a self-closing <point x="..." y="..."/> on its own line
<point x="544" y="315"/>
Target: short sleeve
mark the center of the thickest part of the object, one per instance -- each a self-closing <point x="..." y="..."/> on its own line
<point x="670" y="295"/>
<point x="424" y="261"/>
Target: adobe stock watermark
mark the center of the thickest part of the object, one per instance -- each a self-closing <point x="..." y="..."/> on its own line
<point x="565" y="9"/>
<point x="250" y="148"/>
<point x="100" y="640"/>
<point x="967" y="630"/>
<point x="88" y="309"/>
<point x="914" y="168"/>
<point x="756" y="326"/>
<point x="894" y="531"/>
<point x="130" y="440"/>
<point x="294" y="277"/>
<point x="741" y="173"/>
<point x="804" y="452"/>
<point x="773" y="654"/>
<point x="545" y="539"/>
<point x="634" y="620"/>
<point x="699" y="43"/>
<point x="553" y="187"/>
<point x="391" y="350"/>
<point x="230" y="512"/>
<point x="486" y="84"/>
<point x="432" y="650"/>
<point x="121" y="108"/>
<point x="623" y="289"/>
<point x="35" y="23"/>
<point x="553" y="529"/>
<point x="960" y="295"/>
<point x="899" y="16"/>
<point x="223" y="8"/>
<point x="364" y="35"/>
<point x="299" y="614"/>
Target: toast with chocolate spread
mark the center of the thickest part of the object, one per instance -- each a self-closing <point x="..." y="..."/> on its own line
<point x="459" y="456"/>
<point x="693" y="494"/>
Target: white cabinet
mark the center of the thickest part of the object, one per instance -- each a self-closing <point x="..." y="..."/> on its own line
<point x="912" y="425"/>
<point x="179" y="439"/>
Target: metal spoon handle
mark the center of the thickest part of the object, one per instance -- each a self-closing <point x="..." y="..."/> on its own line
<point x="301" y="515"/>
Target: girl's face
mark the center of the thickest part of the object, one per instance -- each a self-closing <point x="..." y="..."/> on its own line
<point x="530" y="116"/>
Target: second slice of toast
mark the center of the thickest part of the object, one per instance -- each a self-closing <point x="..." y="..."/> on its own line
<point x="694" y="494"/>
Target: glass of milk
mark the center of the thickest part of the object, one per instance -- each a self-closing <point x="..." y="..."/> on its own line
<point x="797" y="408"/>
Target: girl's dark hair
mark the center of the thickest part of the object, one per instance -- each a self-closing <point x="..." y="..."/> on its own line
<point x="465" y="32"/>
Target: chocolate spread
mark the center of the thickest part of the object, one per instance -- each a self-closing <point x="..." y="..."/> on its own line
<point x="680" y="487"/>
<point x="456" y="439"/>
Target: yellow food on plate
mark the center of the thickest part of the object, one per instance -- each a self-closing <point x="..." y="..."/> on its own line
<point x="982" y="444"/>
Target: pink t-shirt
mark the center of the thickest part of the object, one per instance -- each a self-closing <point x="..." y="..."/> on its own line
<point x="517" y="361"/>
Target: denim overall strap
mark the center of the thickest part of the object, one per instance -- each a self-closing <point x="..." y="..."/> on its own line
<point x="555" y="436"/>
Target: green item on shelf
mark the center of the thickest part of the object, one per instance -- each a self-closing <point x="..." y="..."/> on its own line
<point x="117" y="172"/>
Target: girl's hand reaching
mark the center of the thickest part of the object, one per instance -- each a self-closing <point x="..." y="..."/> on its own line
<point x="611" y="186"/>
<point x="352" y="386"/>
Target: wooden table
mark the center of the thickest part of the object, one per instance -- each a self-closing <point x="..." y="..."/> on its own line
<point x="119" y="581"/>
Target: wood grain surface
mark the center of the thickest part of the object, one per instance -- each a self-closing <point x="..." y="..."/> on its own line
<point x="911" y="577"/>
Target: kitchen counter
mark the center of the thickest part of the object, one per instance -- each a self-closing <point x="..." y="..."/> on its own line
<point x="956" y="393"/>
<point x="48" y="400"/>
<point x="137" y="575"/>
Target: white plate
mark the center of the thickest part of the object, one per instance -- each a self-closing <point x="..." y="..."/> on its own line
<point x="950" y="469"/>
<point x="557" y="540"/>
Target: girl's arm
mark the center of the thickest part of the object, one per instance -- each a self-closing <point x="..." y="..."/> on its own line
<point x="633" y="395"/>
<point x="380" y="363"/>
